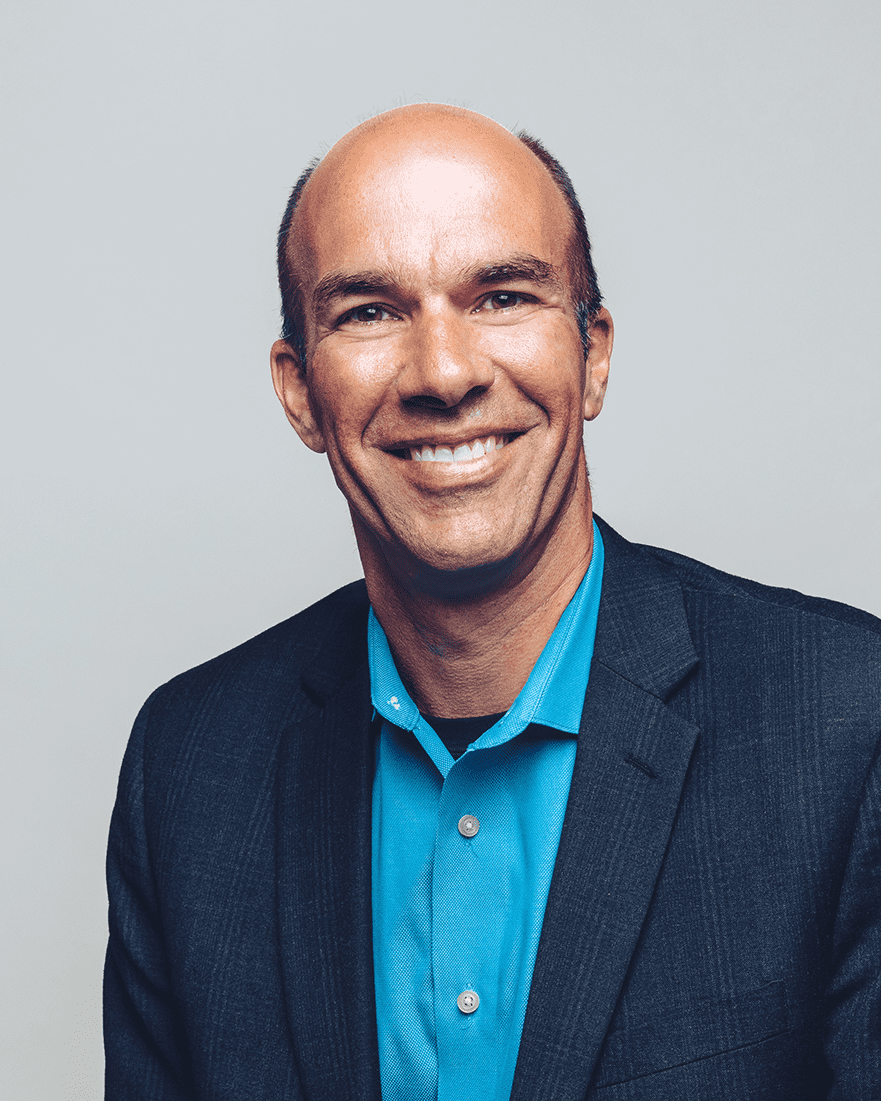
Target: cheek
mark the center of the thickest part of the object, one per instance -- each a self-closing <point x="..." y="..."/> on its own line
<point x="347" y="389"/>
<point x="545" y="360"/>
<point x="336" y="381"/>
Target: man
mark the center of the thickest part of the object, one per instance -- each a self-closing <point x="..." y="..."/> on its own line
<point x="537" y="812"/>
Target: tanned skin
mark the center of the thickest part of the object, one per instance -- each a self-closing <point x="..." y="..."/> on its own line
<point x="431" y="248"/>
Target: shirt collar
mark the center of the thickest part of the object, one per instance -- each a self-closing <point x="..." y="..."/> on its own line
<point x="552" y="696"/>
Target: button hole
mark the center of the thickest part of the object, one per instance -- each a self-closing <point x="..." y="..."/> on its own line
<point x="642" y="765"/>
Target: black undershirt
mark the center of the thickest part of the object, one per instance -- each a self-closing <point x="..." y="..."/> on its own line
<point x="458" y="734"/>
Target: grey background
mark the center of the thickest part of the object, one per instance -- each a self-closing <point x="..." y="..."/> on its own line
<point x="157" y="509"/>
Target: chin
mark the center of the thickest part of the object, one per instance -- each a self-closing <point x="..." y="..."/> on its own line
<point x="454" y="561"/>
<point x="455" y="573"/>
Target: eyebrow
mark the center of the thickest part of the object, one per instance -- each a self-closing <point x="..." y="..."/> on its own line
<point x="522" y="266"/>
<point x="343" y="284"/>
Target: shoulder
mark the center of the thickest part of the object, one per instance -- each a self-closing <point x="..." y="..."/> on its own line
<point x="285" y="649"/>
<point x="702" y="584"/>
<point x="698" y="578"/>
<point x="741" y="644"/>
<point x="834" y="646"/>
<point x="262" y="685"/>
<point x="783" y="687"/>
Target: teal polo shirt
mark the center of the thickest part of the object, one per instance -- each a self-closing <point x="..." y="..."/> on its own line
<point x="463" y="853"/>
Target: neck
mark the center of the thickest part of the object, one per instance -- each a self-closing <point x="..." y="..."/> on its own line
<point x="470" y="654"/>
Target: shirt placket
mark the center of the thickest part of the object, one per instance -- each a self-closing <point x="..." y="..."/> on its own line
<point x="463" y="956"/>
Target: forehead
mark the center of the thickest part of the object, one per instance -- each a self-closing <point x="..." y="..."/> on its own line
<point x="427" y="208"/>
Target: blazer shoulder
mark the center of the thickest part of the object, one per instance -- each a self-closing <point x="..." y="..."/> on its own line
<point x="697" y="577"/>
<point x="647" y="589"/>
<point x="263" y="679"/>
<point x="773" y="636"/>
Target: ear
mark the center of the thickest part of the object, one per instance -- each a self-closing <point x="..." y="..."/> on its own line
<point x="289" y="380"/>
<point x="602" y="336"/>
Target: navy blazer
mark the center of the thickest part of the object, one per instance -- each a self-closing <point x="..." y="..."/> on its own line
<point x="713" y="928"/>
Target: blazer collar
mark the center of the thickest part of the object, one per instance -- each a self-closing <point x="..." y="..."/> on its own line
<point x="632" y="755"/>
<point x="642" y="630"/>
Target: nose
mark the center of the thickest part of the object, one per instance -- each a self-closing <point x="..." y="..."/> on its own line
<point x="443" y="363"/>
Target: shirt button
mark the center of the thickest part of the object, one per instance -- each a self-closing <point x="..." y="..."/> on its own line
<point x="468" y="1001"/>
<point x="468" y="827"/>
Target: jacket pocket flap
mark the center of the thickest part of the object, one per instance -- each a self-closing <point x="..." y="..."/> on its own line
<point x="672" y="1039"/>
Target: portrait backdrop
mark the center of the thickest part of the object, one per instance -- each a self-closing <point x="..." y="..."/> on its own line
<point x="157" y="507"/>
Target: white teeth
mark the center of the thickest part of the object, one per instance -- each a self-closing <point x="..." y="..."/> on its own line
<point x="475" y="450"/>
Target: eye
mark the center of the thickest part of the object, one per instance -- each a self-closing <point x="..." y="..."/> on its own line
<point x="502" y="300"/>
<point x="367" y="315"/>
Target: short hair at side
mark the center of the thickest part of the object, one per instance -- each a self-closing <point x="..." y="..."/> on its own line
<point x="293" y="321"/>
<point x="586" y="293"/>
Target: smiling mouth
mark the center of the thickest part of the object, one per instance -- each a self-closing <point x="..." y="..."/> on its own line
<point x="441" y="453"/>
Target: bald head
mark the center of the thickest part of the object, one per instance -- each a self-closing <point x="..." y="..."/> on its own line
<point x="427" y="129"/>
<point x="441" y="154"/>
<point x="424" y="134"/>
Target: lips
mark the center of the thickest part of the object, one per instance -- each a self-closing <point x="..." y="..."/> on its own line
<point x="458" y="453"/>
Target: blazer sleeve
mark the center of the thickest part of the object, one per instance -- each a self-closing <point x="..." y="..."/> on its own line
<point x="144" y="1038"/>
<point x="853" y="1030"/>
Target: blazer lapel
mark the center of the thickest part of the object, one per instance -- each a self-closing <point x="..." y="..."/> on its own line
<point x="632" y="757"/>
<point x="324" y="857"/>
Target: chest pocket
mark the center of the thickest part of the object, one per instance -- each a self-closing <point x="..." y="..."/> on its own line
<point x="682" y="1036"/>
